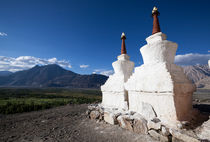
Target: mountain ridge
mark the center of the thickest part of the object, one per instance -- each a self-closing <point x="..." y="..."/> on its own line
<point x="55" y="76"/>
<point x="198" y="74"/>
<point x="51" y="76"/>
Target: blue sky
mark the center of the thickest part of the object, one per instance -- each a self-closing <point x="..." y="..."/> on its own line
<point x="87" y="32"/>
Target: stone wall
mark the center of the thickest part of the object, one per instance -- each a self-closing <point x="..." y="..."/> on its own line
<point x="139" y="123"/>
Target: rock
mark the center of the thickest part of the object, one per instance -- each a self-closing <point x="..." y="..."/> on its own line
<point x="147" y="111"/>
<point x="156" y="120"/>
<point x="165" y="131"/>
<point x="94" y="114"/>
<point x="101" y="117"/>
<point x="153" y="125"/>
<point x="125" y="122"/>
<point x="140" y="126"/>
<point x="203" y="132"/>
<point x="132" y="112"/>
<point x="184" y="125"/>
<point x="92" y="107"/>
<point x="158" y="136"/>
<point x="101" y="110"/>
<point x="87" y="112"/>
<point x="182" y="136"/>
<point x="118" y="114"/>
<point x="176" y="140"/>
<point x="137" y="116"/>
<point x="43" y="121"/>
<point x="179" y="125"/>
<point x="110" y="118"/>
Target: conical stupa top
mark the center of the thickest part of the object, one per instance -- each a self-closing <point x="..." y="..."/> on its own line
<point x="123" y="49"/>
<point x="156" y="26"/>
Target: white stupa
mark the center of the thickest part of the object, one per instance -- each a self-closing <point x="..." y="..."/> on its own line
<point x="159" y="82"/>
<point x="113" y="91"/>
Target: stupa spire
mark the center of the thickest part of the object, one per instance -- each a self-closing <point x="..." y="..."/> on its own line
<point x="123" y="49"/>
<point x="156" y="25"/>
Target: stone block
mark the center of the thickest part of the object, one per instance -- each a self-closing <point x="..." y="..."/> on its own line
<point x="165" y="131"/>
<point x="203" y="132"/>
<point x="140" y="126"/>
<point x="158" y="136"/>
<point x="182" y="136"/>
<point x="176" y="140"/>
<point x="94" y="114"/>
<point x="110" y="118"/>
<point x="125" y="122"/>
<point x="153" y="125"/>
<point x="92" y="107"/>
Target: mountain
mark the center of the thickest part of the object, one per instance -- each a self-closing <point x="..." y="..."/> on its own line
<point x="52" y="76"/>
<point x="198" y="74"/>
<point x="5" y="73"/>
<point x="56" y="76"/>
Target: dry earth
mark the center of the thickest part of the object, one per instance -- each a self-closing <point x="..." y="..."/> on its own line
<point x="66" y="123"/>
<point x="69" y="123"/>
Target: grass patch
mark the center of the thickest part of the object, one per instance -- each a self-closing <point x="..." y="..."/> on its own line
<point x="14" y="100"/>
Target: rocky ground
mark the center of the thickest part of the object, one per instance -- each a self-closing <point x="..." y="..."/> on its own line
<point x="67" y="123"/>
<point x="70" y="123"/>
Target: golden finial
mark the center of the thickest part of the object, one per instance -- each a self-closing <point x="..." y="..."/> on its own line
<point x="123" y="35"/>
<point x="155" y="11"/>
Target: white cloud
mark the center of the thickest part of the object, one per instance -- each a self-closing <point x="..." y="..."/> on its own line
<point x="192" y="59"/>
<point x="107" y="73"/>
<point x="3" y="34"/>
<point x="84" y="66"/>
<point x="26" y="62"/>
<point x="103" y="72"/>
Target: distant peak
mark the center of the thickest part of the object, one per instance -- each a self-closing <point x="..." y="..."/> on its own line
<point x="47" y="66"/>
<point x="56" y="65"/>
<point x="36" y="66"/>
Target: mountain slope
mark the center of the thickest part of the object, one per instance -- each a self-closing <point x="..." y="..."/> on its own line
<point x="204" y="83"/>
<point x="51" y="76"/>
<point x="5" y="73"/>
<point x="198" y="74"/>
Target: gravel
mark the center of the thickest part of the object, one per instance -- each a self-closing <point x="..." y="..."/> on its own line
<point x="61" y="124"/>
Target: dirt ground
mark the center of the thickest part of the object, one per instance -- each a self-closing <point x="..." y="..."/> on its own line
<point x="70" y="123"/>
<point x="66" y="123"/>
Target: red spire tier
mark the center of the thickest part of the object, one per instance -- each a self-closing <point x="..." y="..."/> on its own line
<point x="156" y="26"/>
<point x="123" y="49"/>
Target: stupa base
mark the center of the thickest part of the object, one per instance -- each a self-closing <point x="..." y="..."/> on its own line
<point x="115" y="100"/>
<point x="168" y="107"/>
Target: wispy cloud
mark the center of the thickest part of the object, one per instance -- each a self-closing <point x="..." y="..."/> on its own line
<point x="192" y="59"/>
<point x="3" y="34"/>
<point x="26" y="62"/>
<point x="103" y="72"/>
<point x="84" y="66"/>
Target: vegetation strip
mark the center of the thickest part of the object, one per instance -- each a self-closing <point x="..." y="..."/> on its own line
<point x="14" y="100"/>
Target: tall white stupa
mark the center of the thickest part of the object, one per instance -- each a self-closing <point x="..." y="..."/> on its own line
<point x="159" y="82"/>
<point x="113" y="91"/>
